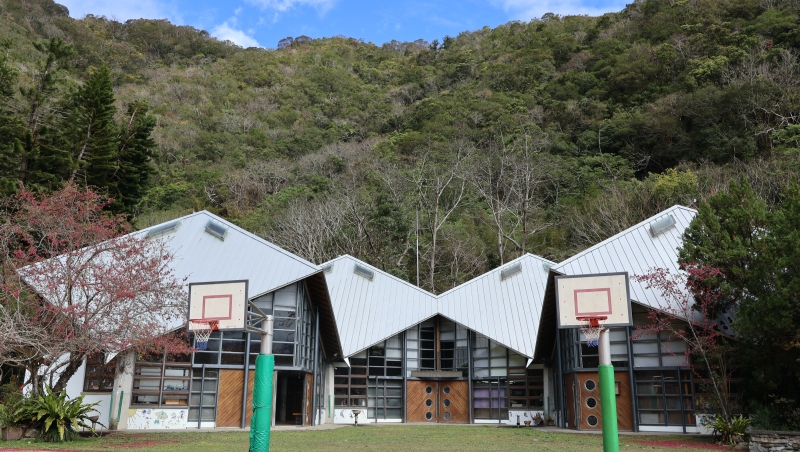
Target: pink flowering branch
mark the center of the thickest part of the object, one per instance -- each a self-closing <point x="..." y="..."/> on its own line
<point x="686" y="312"/>
<point x="74" y="283"/>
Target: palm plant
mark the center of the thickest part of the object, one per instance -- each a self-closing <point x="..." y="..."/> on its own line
<point x="56" y="415"/>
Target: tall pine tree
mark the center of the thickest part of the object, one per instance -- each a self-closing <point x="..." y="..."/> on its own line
<point x="90" y="133"/>
<point x="133" y="157"/>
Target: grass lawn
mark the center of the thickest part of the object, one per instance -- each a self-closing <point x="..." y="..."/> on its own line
<point x="382" y="438"/>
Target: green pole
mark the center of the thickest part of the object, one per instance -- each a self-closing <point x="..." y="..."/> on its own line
<point x="262" y="404"/>
<point x="261" y="421"/>
<point x="608" y="396"/>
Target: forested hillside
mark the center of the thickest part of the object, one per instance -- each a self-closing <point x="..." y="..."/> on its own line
<point x="543" y="137"/>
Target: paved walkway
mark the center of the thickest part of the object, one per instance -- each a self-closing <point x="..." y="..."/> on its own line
<point x="416" y="424"/>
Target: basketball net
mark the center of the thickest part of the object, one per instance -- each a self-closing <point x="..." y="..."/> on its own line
<point x="591" y="327"/>
<point x="202" y="331"/>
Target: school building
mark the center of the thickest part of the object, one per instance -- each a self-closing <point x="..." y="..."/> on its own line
<point x="352" y="341"/>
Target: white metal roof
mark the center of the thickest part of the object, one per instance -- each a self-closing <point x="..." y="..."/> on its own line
<point x="507" y="311"/>
<point x="201" y="257"/>
<point x="369" y="311"/>
<point x="635" y="251"/>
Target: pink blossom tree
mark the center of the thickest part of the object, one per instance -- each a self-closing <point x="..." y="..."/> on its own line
<point x="686" y="313"/>
<point x="76" y="282"/>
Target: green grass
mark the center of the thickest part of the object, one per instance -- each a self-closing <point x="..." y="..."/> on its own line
<point x="382" y="438"/>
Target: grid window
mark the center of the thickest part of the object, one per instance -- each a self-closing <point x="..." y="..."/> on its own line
<point x="657" y="349"/>
<point x="203" y="398"/>
<point x="489" y="359"/>
<point x="427" y="345"/>
<point x="385" y="399"/>
<point x="490" y="399"/>
<point x="350" y="384"/>
<point x="665" y="397"/>
<point x="161" y="382"/>
<point x="99" y="376"/>
<point x="525" y="386"/>
<point x="454" y="343"/>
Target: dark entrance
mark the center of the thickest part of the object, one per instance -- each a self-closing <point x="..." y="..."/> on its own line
<point x="290" y="392"/>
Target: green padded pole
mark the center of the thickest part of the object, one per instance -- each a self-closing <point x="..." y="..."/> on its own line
<point x="262" y="404"/>
<point x="608" y="396"/>
<point x="261" y="421"/>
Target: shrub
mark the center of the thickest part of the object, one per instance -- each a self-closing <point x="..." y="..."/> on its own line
<point x="730" y="432"/>
<point x="11" y="400"/>
<point x="779" y="414"/>
<point x="57" y="417"/>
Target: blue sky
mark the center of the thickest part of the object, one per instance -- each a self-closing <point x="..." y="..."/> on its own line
<point x="264" y="22"/>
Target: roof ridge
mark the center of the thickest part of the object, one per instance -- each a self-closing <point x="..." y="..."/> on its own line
<point x="411" y="285"/>
<point x="621" y="234"/>
<point x="243" y="231"/>
<point x="494" y="270"/>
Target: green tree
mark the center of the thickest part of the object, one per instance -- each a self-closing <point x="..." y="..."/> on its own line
<point x="757" y="248"/>
<point x="90" y="133"/>
<point x="10" y="126"/>
<point x="134" y="155"/>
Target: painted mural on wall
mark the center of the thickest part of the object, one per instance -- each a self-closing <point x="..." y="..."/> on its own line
<point x="158" y="418"/>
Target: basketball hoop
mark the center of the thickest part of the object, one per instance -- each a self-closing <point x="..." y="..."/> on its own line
<point x="591" y="327"/>
<point x="202" y="331"/>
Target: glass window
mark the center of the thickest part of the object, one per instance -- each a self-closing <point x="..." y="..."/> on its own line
<point x="203" y="396"/>
<point x="164" y="382"/>
<point x="664" y="397"/>
<point x="99" y="376"/>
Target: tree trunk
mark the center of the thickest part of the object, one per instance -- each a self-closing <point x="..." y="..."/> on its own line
<point x="68" y="372"/>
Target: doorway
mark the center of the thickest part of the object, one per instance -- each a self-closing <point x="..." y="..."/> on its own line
<point x="291" y="394"/>
<point x="438" y="401"/>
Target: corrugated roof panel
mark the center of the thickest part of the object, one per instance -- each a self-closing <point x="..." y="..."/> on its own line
<point x="371" y="311"/>
<point x="636" y="251"/>
<point x="505" y="311"/>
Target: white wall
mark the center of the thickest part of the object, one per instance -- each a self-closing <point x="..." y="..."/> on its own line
<point x="75" y="389"/>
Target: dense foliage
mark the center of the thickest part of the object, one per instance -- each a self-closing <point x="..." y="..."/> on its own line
<point x="544" y="136"/>
<point x="757" y="249"/>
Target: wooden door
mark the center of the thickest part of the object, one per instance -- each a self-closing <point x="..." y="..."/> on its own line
<point x="421" y="401"/>
<point x="453" y="402"/>
<point x="570" y="387"/>
<point x="588" y="402"/>
<point x="229" y="402"/>
<point x="308" y="399"/>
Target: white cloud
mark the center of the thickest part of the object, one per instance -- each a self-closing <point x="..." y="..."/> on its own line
<point x="123" y="10"/>
<point x="529" y="9"/>
<point x="226" y="32"/>
<point x="322" y="6"/>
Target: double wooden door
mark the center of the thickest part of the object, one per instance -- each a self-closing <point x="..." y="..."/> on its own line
<point x="437" y="401"/>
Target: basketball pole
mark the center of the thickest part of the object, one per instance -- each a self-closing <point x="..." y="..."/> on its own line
<point x="608" y="394"/>
<point x="262" y="391"/>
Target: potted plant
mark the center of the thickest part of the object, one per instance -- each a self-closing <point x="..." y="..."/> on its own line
<point x="550" y="420"/>
<point x="538" y="420"/>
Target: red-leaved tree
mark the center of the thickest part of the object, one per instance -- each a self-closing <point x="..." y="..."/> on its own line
<point x="76" y="282"/>
<point x="686" y="313"/>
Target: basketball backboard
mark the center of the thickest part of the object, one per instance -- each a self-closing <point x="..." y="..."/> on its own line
<point x="605" y="294"/>
<point x="222" y="301"/>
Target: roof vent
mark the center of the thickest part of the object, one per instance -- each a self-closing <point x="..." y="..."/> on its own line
<point x="363" y="271"/>
<point x="165" y="228"/>
<point x="661" y="226"/>
<point x="510" y="271"/>
<point x="327" y="268"/>
<point x="217" y="230"/>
